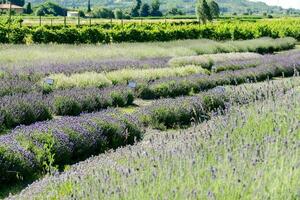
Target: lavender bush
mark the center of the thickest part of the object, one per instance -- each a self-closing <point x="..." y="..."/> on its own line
<point x="183" y="111"/>
<point x="26" y="109"/>
<point x="16" y="85"/>
<point x="273" y="66"/>
<point x="75" y="101"/>
<point x="29" y="151"/>
<point x="36" y="71"/>
<point x="23" y="109"/>
<point x="252" y="152"/>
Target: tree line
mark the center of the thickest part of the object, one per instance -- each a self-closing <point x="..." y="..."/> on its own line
<point x="141" y="9"/>
<point x="207" y="11"/>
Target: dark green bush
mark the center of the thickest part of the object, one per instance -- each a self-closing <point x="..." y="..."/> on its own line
<point x="181" y="112"/>
<point x="121" y="99"/>
<point x="91" y="35"/>
<point x="68" y="36"/>
<point x="18" y="35"/>
<point x="131" y="32"/>
<point x="13" y="165"/>
<point x="44" y="35"/>
<point x="64" y="105"/>
<point x="3" y="35"/>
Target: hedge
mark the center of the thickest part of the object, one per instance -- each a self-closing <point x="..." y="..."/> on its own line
<point x="106" y="33"/>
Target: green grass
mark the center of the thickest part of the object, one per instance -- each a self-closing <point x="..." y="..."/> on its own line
<point x="53" y="53"/>
<point x="250" y="153"/>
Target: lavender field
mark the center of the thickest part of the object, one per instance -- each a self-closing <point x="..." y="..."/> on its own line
<point x="190" y="119"/>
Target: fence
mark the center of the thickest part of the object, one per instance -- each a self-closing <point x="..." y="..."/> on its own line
<point x="38" y="21"/>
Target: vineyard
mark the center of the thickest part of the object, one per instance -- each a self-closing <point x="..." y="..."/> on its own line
<point x="149" y="32"/>
<point x="214" y="116"/>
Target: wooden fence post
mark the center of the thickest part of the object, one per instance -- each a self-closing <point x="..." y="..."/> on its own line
<point x="165" y="21"/>
<point x="78" y="20"/>
<point x="65" y="21"/>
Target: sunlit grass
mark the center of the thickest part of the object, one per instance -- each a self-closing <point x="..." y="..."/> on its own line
<point x="21" y="55"/>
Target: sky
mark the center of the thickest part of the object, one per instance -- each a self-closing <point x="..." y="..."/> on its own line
<point x="283" y="3"/>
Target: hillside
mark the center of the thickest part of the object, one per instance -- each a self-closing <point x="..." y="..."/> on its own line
<point x="227" y="6"/>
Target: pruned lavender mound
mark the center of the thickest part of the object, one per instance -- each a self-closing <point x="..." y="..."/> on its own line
<point x="42" y="69"/>
<point x="272" y="66"/>
<point x="16" y="85"/>
<point x="29" y="108"/>
<point x="28" y="150"/>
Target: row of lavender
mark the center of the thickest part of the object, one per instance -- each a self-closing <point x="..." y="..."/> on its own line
<point x="27" y="152"/>
<point x="26" y="109"/>
<point x="30" y="151"/>
<point x="36" y="71"/>
<point x="271" y="66"/>
<point x="28" y="79"/>
<point x="29" y="108"/>
<point x="184" y="111"/>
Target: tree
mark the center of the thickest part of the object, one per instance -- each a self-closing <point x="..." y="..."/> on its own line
<point x="175" y="11"/>
<point x="155" y="8"/>
<point x="49" y="8"/>
<point x="121" y="14"/>
<point x="118" y="13"/>
<point x="89" y="6"/>
<point x="28" y="9"/>
<point x="145" y="10"/>
<point x="18" y="2"/>
<point x="103" y="13"/>
<point x="203" y="11"/>
<point x="214" y="9"/>
<point x="136" y="8"/>
<point x="81" y="13"/>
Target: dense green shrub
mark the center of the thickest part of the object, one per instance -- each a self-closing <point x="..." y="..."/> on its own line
<point x="132" y="32"/>
<point x="18" y="35"/>
<point x="91" y="35"/>
<point x="65" y="105"/>
<point x="68" y="36"/>
<point x="3" y="34"/>
<point x="44" y="35"/>
<point x="75" y="101"/>
<point x="49" y="8"/>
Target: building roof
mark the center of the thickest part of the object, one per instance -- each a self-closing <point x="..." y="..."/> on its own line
<point x="6" y="6"/>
